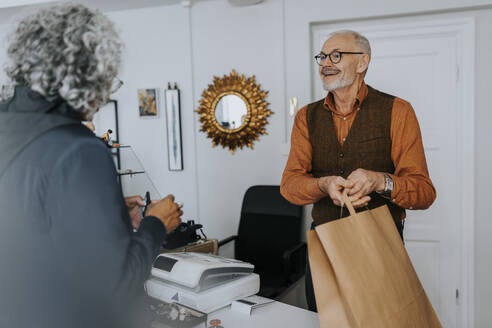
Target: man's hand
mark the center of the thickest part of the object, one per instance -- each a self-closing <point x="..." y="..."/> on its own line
<point x="333" y="186"/>
<point x="363" y="183"/>
<point x="133" y="204"/>
<point x="167" y="211"/>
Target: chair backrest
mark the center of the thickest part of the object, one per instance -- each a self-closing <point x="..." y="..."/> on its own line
<point x="269" y="225"/>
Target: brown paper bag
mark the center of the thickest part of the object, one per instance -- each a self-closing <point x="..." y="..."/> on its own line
<point x="362" y="274"/>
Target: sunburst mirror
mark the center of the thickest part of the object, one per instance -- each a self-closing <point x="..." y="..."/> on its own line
<point x="233" y="111"/>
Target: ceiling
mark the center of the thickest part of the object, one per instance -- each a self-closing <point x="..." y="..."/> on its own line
<point x="102" y="4"/>
<point x="11" y="9"/>
<point x="16" y="3"/>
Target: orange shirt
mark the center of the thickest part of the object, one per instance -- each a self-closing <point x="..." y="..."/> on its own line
<point x="413" y="187"/>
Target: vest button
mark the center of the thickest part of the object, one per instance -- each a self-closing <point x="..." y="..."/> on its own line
<point x="341" y="155"/>
<point x="342" y="172"/>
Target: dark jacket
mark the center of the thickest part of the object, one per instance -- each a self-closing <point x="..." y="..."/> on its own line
<point x="68" y="255"/>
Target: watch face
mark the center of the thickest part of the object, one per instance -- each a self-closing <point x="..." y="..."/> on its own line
<point x="389" y="183"/>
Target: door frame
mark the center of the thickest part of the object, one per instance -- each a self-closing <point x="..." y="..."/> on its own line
<point x="464" y="30"/>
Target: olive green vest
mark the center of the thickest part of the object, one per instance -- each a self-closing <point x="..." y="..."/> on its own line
<point x="367" y="146"/>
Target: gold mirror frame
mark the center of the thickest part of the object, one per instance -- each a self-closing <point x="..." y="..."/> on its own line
<point x="256" y="117"/>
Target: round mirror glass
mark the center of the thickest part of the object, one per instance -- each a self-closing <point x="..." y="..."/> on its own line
<point x="231" y="112"/>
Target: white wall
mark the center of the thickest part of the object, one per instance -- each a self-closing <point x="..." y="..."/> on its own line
<point x="224" y="38"/>
<point x="160" y="48"/>
<point x="483" y="178"/>
<point x="157" y="52"/>
<point x="4" y="29"/>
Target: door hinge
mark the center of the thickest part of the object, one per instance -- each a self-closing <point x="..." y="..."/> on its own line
<point x="457" y="294"/>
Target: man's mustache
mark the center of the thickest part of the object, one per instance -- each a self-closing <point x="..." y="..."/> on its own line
<point x="328" y="70"/>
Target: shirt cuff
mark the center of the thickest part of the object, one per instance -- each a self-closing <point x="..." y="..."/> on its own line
<point x="155" y="227"/>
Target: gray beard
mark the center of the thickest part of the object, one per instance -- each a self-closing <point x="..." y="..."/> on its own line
<point x="338" y="84"/>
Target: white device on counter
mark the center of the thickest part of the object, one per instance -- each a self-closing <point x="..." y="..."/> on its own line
<point x="201" y="281"/>
<point x="248" y="304"/>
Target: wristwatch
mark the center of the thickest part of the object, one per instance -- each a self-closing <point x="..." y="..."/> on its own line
<point x="388" y="186"/>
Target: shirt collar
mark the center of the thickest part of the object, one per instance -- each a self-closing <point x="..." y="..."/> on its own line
<point x="361" y="95"/>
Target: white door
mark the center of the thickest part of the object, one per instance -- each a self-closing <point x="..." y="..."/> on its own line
<point x="421" y="63"/>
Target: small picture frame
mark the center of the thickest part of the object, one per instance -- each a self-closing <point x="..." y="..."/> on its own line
<point x="173" y="122"/>
<point x="148" y="102"/>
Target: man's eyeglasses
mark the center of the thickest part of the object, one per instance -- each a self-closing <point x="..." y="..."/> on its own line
<point x="116" y="85"/>
<point x="335" y="56"/>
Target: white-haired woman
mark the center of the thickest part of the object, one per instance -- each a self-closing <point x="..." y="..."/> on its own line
<point x="68" y="255"/>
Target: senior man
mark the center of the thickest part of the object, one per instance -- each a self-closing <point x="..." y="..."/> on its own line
<point x="356" y="138"/>
<point x="68" y="253"/>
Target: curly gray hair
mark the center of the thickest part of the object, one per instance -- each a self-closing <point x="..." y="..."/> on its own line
<point x="67" y="51"/>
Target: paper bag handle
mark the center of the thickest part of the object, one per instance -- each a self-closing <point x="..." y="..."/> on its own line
<point x="346" y="202"/>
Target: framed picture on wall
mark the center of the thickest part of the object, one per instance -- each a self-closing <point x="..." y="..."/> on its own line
<point x="148" y="102"/>
<point x="173" y="122"/>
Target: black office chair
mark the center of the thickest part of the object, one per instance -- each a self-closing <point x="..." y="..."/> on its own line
<point x="269" y="237"/>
